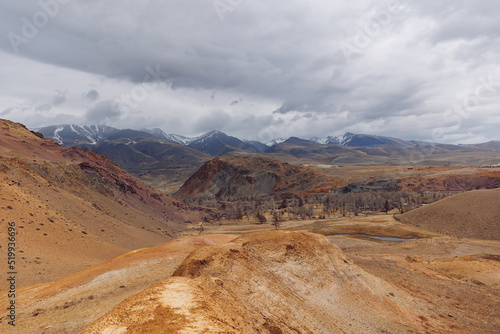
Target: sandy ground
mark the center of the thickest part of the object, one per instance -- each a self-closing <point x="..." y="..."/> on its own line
<point x="296" y="282"/>
<point x="455" y="282"/>
<point x="74" y="208"/>
<point x="70" y="304"/>
<point x="473" y="214"/>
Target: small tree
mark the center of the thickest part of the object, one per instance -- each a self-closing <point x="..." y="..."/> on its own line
<point x="386" y="206"/>
<point x="261" y="218"/>
<point x="276" y="220"/>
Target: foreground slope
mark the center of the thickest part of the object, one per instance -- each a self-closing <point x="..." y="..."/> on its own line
<point x="270" y="282"/>
<point x="474" y="214"/>
<point x="74" y="208"/>
<point x="74" y="302"/>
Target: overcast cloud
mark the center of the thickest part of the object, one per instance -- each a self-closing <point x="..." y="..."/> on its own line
<point x="427" y="70"/>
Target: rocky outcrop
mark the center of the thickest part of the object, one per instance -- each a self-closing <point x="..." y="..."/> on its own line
<point x="268" y="282"/>
<point x="240" y="177"/>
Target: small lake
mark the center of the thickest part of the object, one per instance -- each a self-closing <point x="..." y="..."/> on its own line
<point x="375" y="237"/>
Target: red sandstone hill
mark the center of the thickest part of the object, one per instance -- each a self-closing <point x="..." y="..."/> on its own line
<point x="74" y="208"/>
<point x="239" y="177"/>
<point x="452" y="181"/>
<point x="473" y="214"/>
<point x="275" y="283"/>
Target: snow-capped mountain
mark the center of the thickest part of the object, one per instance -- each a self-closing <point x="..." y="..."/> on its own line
<point x="179" y="139"/>
<point x="361" y="140"/>
<point x="217" y="143"/>
<point x="330" y="140"/>
<point x="275" y="141"/>
<point x="74" y="135"/>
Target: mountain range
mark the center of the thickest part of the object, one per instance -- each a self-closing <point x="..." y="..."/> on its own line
<point x="215" y="143"/>
<point x="165" y="161"/>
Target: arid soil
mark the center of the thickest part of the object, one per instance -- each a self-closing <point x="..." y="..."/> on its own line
<point x="74" y="208"/>
<point x="275" y="282"/>
<point x="416" y="178"/>
<point x="235" y="178"/>
<point x="474" y="214"/>
<point x="295" y="282"/>
<point x="72" y="303"/>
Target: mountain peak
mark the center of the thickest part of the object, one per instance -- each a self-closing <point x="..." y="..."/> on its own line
<point x="73" y="134"/>
<point x="212" y="133"/>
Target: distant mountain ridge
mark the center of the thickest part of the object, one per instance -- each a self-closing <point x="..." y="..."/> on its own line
<point x="148" y="155"/>
<point x="74" y="135"/>
<point x="165" y="161"/>
<point x="215" y="142"/>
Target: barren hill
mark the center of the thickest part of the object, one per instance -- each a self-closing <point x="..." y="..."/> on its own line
<point x="474" y="214"/>
<point x="272" y="282"/>
<point x="238" y="177"/>
<point x="74" y="302"/>
<point x="74" y="208"/>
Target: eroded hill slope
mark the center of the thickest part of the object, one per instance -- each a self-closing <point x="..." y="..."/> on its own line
<point x="239" y="177"/>
<point x="74" y="208"/>
<point x="270" y="282"/>
<point x="72" y="303"/>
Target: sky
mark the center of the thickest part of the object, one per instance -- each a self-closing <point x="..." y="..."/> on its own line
<point x="423" y="70"/>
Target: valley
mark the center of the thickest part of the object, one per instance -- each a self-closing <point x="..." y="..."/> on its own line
<point x="428" y="278"/>
<point x="166" y="161"/>
<point x="250" y="167"/>
<point x="272" y="242"/>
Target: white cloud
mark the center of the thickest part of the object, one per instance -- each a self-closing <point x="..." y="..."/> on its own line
<point x="418" y="61"/>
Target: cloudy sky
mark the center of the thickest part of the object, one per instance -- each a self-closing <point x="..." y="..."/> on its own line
<point x="426" y="69"/>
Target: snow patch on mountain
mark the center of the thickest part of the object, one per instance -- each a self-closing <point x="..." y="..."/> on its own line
<point x="57" y="136"/>
<point x="275" y="141"/>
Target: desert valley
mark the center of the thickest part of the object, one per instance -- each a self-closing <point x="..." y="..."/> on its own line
<point x="127" y="231"/>
<point x="249" y="167"/>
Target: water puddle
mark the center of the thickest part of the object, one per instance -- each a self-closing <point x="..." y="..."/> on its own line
<point x="375" y="237"/>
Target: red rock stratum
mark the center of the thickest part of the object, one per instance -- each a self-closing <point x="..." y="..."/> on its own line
<point x="239" y="177"/>
<point x="269" y="282"/>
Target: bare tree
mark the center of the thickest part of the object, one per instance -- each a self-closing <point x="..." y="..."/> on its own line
<point x="277" y="220"/>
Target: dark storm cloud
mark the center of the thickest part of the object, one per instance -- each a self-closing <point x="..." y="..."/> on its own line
<point x="185" y="40"/>
<point x="322" y="67"/>
<point x="93" y="95"/>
